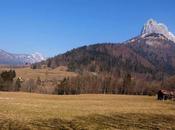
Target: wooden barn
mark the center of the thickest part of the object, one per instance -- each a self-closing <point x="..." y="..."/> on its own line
<point x="165" y="95"/>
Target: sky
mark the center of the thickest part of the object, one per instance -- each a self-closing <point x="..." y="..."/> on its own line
<point x="53" y="27"/>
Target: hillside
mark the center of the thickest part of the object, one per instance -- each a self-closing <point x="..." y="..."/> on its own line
<point x="45" y="74"/>
<point x="100" y="58"/>
<point x="152" y="52"/>
<point x="141" y="65"/>
<point x="157" y="50"/>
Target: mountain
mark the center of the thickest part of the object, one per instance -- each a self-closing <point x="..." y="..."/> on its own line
<point x="151" y="52"/>
<point x="157" y="49"/>
<point x="7" y="58"/>
<point x="159" y="28"/>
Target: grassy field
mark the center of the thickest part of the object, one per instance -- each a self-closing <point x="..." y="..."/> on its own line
<point x="37" y="111"/>
<point x="49" y="74"/>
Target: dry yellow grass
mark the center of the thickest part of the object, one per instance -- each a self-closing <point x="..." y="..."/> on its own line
<point x="37" y="111"/>
<point x="49" y="74"/>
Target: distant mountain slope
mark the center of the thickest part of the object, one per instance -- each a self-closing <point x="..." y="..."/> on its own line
<point x="157" y="50"/>
<point x="7" y="58"/>
<point x="102" y="57"/>
<point x="153" y="51"/>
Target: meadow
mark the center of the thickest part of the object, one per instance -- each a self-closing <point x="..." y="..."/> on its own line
<point x="84" y="112"/>
<point x="45" y="74"/>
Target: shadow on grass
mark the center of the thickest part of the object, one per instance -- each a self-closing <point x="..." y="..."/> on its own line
<point x="98" y="122"/>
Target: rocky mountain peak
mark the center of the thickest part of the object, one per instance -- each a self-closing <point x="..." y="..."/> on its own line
<point x="153" y="26"/>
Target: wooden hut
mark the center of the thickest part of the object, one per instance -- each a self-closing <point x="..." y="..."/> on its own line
<point x="165" y="94"/>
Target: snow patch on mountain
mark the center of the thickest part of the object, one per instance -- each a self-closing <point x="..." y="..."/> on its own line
<point x="154" y="27"/>
<point x="19" y="59"/>
<point x="38" y="56"/>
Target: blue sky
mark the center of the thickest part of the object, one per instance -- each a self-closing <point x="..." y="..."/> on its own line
<point x="55" y="26"/>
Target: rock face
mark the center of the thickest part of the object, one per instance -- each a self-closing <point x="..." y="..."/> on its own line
<point x="159" y="28"/>
<point x="7" y="58"/>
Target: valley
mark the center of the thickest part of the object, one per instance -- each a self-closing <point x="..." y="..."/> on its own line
<point x="93" y="87"/>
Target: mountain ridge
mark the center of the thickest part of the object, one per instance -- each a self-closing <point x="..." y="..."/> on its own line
<point x="148" y="53"/>
<point x="7" y="58"/>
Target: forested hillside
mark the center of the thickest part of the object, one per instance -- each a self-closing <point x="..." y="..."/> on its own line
<point x="141" y="65"/>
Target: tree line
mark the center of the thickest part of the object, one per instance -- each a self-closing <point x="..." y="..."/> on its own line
<point x="87" y="83"/>
<point x="7" y="82"/>
<point x="108" y="84"/>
